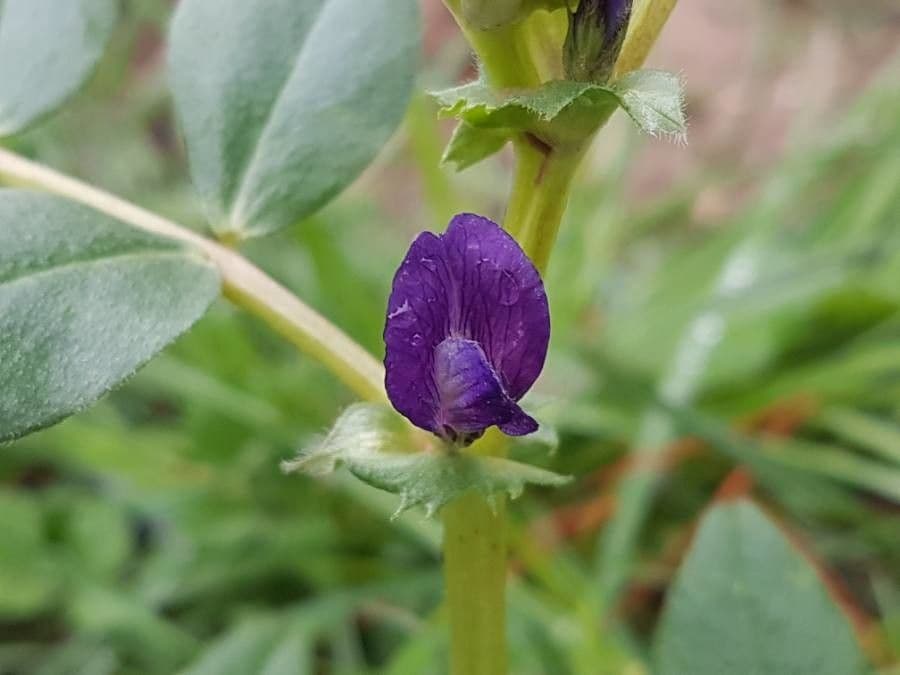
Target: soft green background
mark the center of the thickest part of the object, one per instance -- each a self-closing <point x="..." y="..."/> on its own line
<point x="760" y="297"/>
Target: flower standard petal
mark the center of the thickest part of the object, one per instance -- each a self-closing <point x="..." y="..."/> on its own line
<point x="502" y="304"/>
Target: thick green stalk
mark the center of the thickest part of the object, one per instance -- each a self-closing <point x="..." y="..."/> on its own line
<point x="540" y="194"/>
<point x="475" y="579"/>
<point x="475" y="547"/>
<point x="474" y="529"/>
<point x="475" y="574"/>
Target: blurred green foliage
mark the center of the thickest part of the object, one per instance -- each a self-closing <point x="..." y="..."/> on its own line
<point x="155" y="532"/>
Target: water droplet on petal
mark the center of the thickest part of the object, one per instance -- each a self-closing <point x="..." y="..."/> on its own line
<point x="509" y="289"/>
<point x="416" y="340"/>
<point x="402" y="315"/>
<point x="429" y="264"/>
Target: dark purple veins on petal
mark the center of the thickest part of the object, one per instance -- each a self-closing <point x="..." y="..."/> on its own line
<point x="467" y="331"/>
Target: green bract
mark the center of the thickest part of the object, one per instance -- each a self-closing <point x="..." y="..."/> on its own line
<point x="84" y="301"/>
<point x="47" y="49"/>
<point x="284" y="103"/>
<point x="745" y="601"/>
<point x="375" y="444"/>
<point x="558" y="112"/>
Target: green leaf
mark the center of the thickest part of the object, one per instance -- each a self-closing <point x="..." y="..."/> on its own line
<point x="284" y="103"/>
<point x="469" y="145"/>
<point x="48" y="49"/>
<point x="653" y="99"/>
<point x="839" y="464"/>
<point x="84" y="301"/>
<point x="745" y="601"/>
<point x="266" y="645"/>
<point x="28" y="576"/>
<point x="126" y="622"/>
<point x="482" y="106"/>
<point x="97" y="536"/>
<point x="880" y="436"/>
<point x="373" y="442"/>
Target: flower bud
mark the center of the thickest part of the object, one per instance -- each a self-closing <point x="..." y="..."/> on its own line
<point x="596" y="33"/>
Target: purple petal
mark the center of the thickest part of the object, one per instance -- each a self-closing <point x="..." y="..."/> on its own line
<point x="417" y="321"/>
<point x="500" y="300"/>
<point x="470" y="394"/>
<point x="475" y="283"/>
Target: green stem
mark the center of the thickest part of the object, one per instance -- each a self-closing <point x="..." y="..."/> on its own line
<point x="504" y="52"/>
<point x="540" y="194"/>
<point x="242" y="282"/>
<point x="474" y="529"/>
<point x="475" y="578"/>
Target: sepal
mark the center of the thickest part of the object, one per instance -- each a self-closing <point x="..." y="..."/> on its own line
<point x="558" y="112"/>
<point x="379" y="448"/>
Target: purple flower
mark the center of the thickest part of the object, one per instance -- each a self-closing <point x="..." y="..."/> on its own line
<point x="596" y="33"/>
<point x="467" y="331"/>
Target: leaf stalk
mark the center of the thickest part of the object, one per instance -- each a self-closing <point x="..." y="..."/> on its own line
<point x="243" y="283"/>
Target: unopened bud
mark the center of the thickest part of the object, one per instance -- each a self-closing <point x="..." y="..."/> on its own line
<point x="596" y="33"/>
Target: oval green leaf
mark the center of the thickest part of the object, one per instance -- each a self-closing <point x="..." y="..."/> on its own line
<point x="84" y="301"/>
<point x="47" y="50"/>
<point x="284" y="102"/>
<point x="745" y="601"/>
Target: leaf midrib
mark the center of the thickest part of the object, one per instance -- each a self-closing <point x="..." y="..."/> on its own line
<point x="158" y="255"/>
<point x="239" y="202"/>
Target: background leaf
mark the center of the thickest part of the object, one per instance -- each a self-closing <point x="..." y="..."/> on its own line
<point x="27" y="577"/>
<point x="283" y="103"/>
<point x="745" y="601"/>
<point x="267" y="645"/>
<point x="47" y="50"/>
<point x="84" y="301"/>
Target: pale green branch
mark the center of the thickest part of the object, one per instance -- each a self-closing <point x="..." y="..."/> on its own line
<point x="243" y="283"/>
